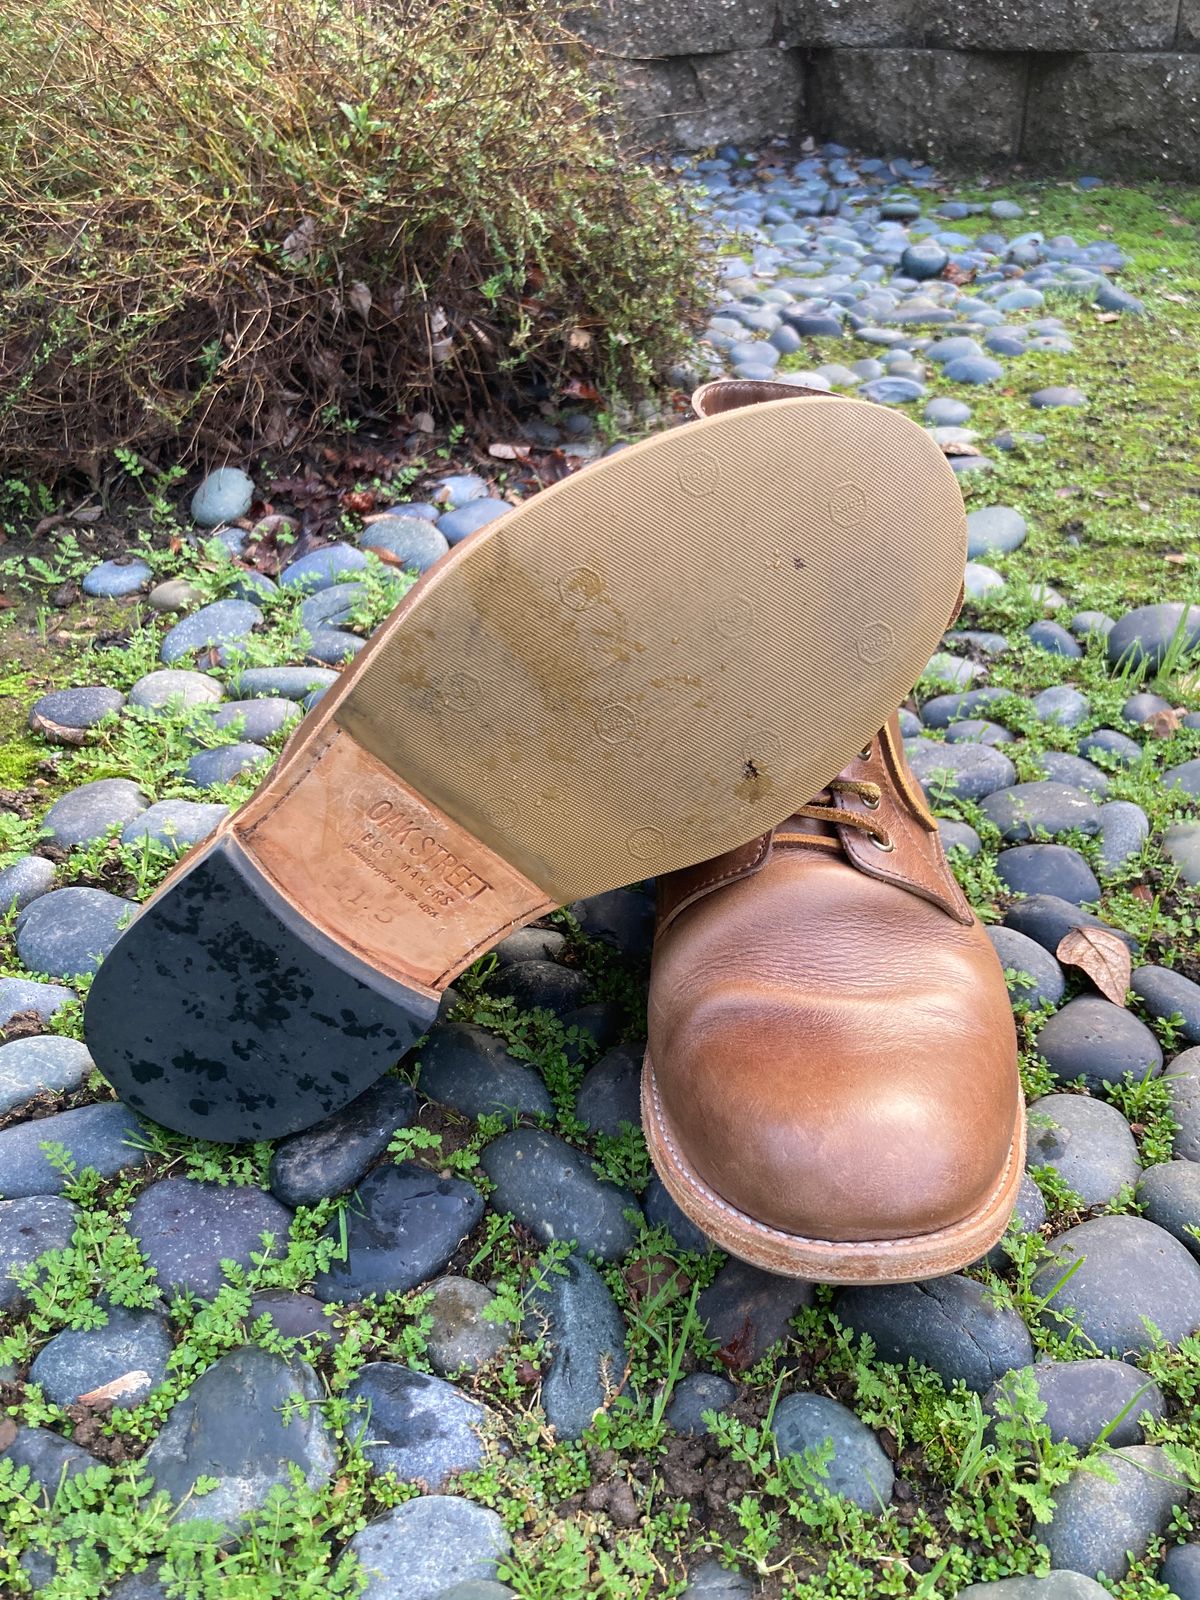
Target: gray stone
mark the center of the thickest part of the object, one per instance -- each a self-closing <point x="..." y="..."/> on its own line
<point x="1028" y="810"/>
<point x="28" y="1228"/>
<point x="585" y="1335"/>
<point x="186" y="1229"/>
<point x="1129" y="1272"/>
<point x="1024" y="956"/>
<point x="750" y="1306"/>
<point x="416" y="1426"/>
<point x="1047" y="917"/>
<point x="1170" y="1196"/>
<point x="1048" y="869"/>
<point x="223" y="496"/>
<point x="176" y="594"/>
<point x="49" y="1457"/>
<point x="994" y="530"/>
<point x="479" y="1589"/>
<point x="471" y="1071"/>
<point x="331" y="607"/>
<point x="1182" y="1078"/>
<point x="89" y="812"/>
<point x="456" y="525"/>
<point x="1093" y="1039"/>
<point x="23" y="882"/>
<point x="209" y="768"/>
<point x="1087" y="1142"/>
<point x="330" y="1157"/>
<point x="295" y="1316"/>
<point x="285" y="683"/>
<point x="541" y="985"/>
<point x="332" y="646"/>
<point x="1055" y="1586"/>
<point x="126" y="1357"/>
<point x="1028" y="1216"/>
<point x="959" y="836"/>
<point x="321" y="569"/>
<point x="973" y="369"/>
<point x="1097" y="1521"/>
<point x="70" y="931"/>
<point x="240" y="1424"/>
<point x="112" y="580"/>
<point x="96" y="1136"/>
<point x="223" y="622"/>
<point x="1140" y="708"/>
<point x="67" y="715"/>
<point x="609" y="1098"/>
<point x="420" y="1549"/>
<point x="972" y="771"/>
<point x="1166" y="994"/>
<point x="257" y="720"/>
<point x="1058" y="394"/>
<point x="461" y="1338"/>
<point x="944" y="412"/>
<point x="1084" y="1398"/>
<point x="175" y="824"/>
<point x="1181" y="1569"/>
<point x="411" y="543"/>
<point x="20" y="997"/>
<point x="709" y="1580"/>
<point x="1085" y="623"/>
<point x="1061" y="704"/>
<point x="30" y="1067"/>
<point x="980" y="580"/>
<point x="550" y="1188"/>
<point x="1181" y="842"/>
<point x="662" y="1212"/>
<point x="1186" y="776"/>
<point x="1119" y="748"/>
<point x="947" y="1324"/>
<point x="943" y="709"/>
<point x="402" y="1228"/>
<point x="694" y="1395"/>
<point x="530" y="944"/>
<point x="858" y="1470"/>
<point x="622" y="919"/>
<point x="175" y="688"/>
<point x="1124" y="829"/>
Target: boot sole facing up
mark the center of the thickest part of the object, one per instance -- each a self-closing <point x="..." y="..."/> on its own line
<point x="892" y="1260"/>
<point x="636" y="669"/>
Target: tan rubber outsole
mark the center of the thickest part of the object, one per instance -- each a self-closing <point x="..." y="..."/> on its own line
<point x="893" y="1260"/>
<point x="637" y="669"/>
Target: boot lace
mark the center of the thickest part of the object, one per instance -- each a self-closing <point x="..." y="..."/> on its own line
<point x="821" y="809"/>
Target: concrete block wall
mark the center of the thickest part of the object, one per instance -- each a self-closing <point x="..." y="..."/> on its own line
<point x="1108" y="86"/>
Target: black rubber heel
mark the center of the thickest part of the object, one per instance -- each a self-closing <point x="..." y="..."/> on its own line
<point x="223" y="1013"/>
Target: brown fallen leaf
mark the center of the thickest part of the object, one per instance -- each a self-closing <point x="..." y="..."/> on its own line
<point x="1108" y="316"/>
<point x="1164" y="723"/>
<point x="126" y="1384"/>
<point x="508" y="452"/>
<point x="961" y="449"/>
<point x="8" y="1432"/>
<point x="1103" y="956"/>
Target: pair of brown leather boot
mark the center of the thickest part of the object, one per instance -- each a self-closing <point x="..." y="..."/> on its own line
<point x="689" y="653"/>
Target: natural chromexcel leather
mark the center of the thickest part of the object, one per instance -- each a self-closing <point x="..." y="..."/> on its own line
<point x="829" y="1027"/>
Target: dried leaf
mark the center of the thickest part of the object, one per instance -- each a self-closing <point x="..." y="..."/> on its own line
<point x="1103" y="956"/>
<point x="297" y="247"/>
<point x="1179" y="299"/>
<point x="577" y="390"/>
<point x="48" y="524"/>
<point x="956" y="448"/>
<point x="8" y="1432"/>
<point x="1108" y="316"/>
<point x="127" y="1384"/>
<point x="1174" y="556"/>
<point x="579" y="339"/>
<point x="359" y="297"/>
<point x="509" y="452"/>
<point x="87" y="514"/>
<point x="423" y="422"/>
<point x="1164" y="723"/>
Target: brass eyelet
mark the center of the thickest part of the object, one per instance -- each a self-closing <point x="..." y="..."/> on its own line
<point x="885" y="844"/>
<point x="871" y="805"/>
<point x="866" y="752"/>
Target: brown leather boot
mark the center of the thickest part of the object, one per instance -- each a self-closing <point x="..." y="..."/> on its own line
<point x="831" y="1086"/>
